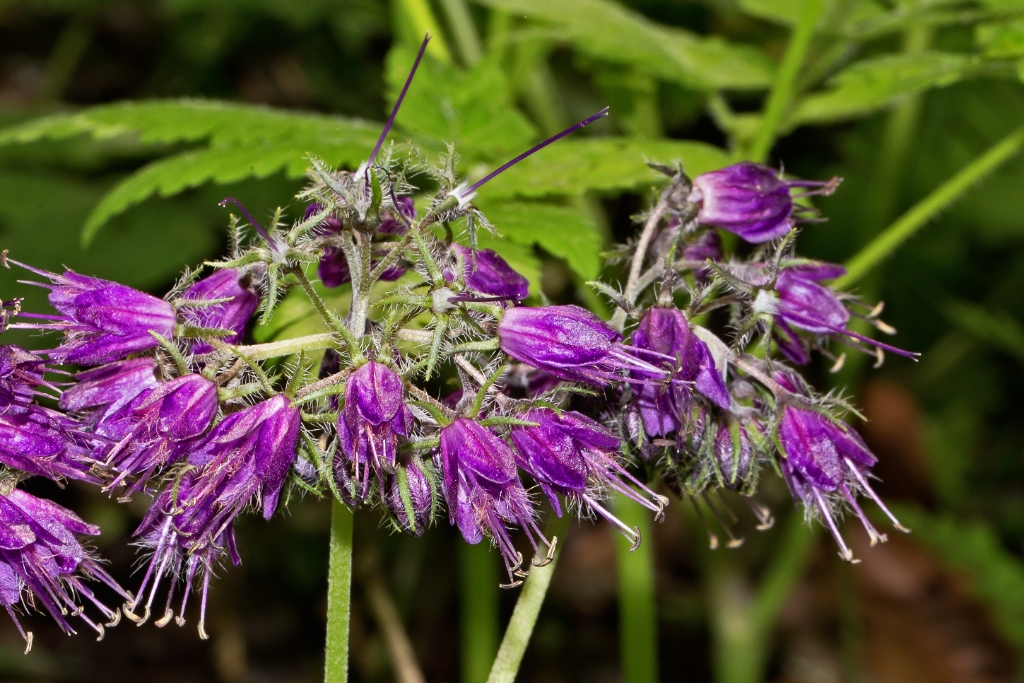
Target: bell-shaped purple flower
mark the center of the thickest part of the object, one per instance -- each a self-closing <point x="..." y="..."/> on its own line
<point x="750" y="200"/>
<point x="410" y="496"/>
<point x="41" y="555"/>
<point x="373" y="418"/>
<point x="166" y="424"/>
<point x="734" y="452"/>
<point x="20" y="374"/>
<point x="43" y="442"/>
<point x="826" y="464"/>
<point x="104" y="395"/>
<point x="487" y="273"/>
<point x="570" y="343"/>
<point x="102" y="321"/>
<point x="664" y="408"/>
<point x="242" y="462"/>
<point x="242" y="301"/>
<point x="569" y="453"/>
<point x="333" y="269"/>
<point x="484" y="492"/>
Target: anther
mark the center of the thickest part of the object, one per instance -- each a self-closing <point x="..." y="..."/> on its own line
<point x="514" y="584"/>
<point x="639" y="539"/>
<point x="102" y="632"/>
<point x="838" y="365"/>
<point x="165" y="619"/>
<point x="114" y="621"/>
<point x="202" y="632"/>
<point x="28" y="635"/>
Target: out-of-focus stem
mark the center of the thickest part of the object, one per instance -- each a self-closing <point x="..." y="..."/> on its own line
<point x="467" y="42"/>
<point x="339" y="595"/>
<point x="781" y="95"/>
<point x="421" y="20"/>
<point x="638" y="623"/>
<point x="403" y="659"/>
<point x="524" y="616"/>
<point x="478" y="610"/>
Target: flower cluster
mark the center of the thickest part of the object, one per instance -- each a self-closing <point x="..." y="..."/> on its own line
<point x="164" y="397"/>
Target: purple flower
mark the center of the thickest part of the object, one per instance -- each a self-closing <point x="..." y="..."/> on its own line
<point x="484" y="492"/>
<point x="409" y="495"/>
<point x="734" y="452"/>
<point x="333" y="269"/>
<point x="242" y="462"/>
<point x="167" y="423"/>
<point x="750" y="200"/>
<point x="102" y="321"/>
<point x="487" y="273"/>
<point x="568" y="342"/>
<point x="806" y="304"/>
<point x="373" y="418"/>
<point x="571" y="454"/>
<point x="105" y="395"/>
<point x="43" y="442"/>
<point x="826" y="464"/>
<point x="41" y="554"/>
<point x="20" y="373"/>
<point x="230" y="315"/>
<point x="663" y="408"/>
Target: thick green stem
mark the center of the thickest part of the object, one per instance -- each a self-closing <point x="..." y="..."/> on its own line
<point x="638" y="619"/>
<point x="467" y="42"/>
<point x="339" y="595"/>
<point x="478" y="625"/>
<point x="288" y="347"/>
<point x="781" y="95"/>
<point x="524" y="616"/>
<point x="918" y="216"/>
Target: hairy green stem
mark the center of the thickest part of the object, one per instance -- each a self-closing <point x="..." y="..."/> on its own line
<point x="288" y="347"/>
<point x="339" y="595"/>
<point x="781" y="95"/>
<point x="478" y="611"/>
<point x="524" y="616"/>
<point x="638" y="622"/>
<point x="918" y="216"/>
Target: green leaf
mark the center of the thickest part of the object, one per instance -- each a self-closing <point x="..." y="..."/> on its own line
<point x="997" y="576"/>
<point x="187" y="120"/>
<point x="607" y="31"/>
<point x="601" y="164"/>
<point x="1001" y="40"/>
<point x="838" y="14"/>
<point x="996" y="328"/>
<point x="470" y="108"/>
<point x="172" y="175"/>
<point x="875" y="83"/>
<point x="563" y="232"/>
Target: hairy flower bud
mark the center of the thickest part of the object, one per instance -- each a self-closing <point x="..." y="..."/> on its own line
<point x="373" y="418"/>
<point x="490" y="274"/>
<point x="663" y="408"/>
<point x="409" y="495"/>
<point x="568" y="342"/>
<point x="232" y="315"/>
<point x="20" y="373"/>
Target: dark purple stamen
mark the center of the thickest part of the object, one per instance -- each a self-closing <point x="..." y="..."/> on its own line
<point x="571" y="129"/>
<point x="398" y="102"/>
<point x="245" y="212"/>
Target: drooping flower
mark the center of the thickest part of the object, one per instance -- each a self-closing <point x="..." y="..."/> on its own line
<point x="166" y="424"/>
<point x="488" y="273"/>
<point x="242" y="462"/>
<point x="569" y="453"/>
<point x="750" y="200"/>
<point x="663" y="408"/>
<point x="40" y="554"/>
<point x="333" y="269"/>
<point x="102" y="321"/>
<point x="409" y="495"/>
<point x="21" y="373"/>
<point x="570" y="343"/>
<point x="804" y="303"/>
<point x="734" y="452"/>
<point x="826" y="464"/>
<point x="484" y="493"/>
<point x="373" y="418"/>
<point x="43" y="442"/>
<point x="234" y="314"/>
<point x="104" y="395"/>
